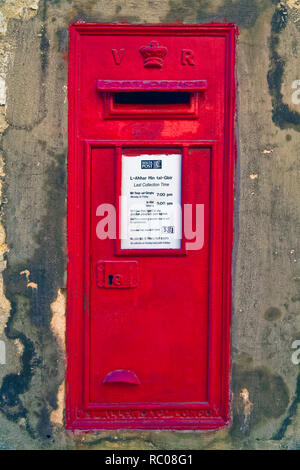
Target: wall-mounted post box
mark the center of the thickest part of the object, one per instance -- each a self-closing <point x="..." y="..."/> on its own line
<point x="150" y="197"/>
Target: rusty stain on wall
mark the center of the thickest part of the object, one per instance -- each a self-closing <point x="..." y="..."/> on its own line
<point x="57" y="415"/>
<point x="31" y="284"/>
<point x="4" y="303"/>
<point x="58" y="321"/>
<point x="247" y="409"/>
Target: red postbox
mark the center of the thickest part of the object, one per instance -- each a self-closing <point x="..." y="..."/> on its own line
<point x="150" y="198"/>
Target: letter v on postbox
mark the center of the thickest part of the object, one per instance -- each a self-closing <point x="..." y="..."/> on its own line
<point x="150" y="208"/>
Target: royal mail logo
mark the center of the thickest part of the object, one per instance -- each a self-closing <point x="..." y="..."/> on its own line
<point x="151" y="164"/>
<point x="153" y="55"/>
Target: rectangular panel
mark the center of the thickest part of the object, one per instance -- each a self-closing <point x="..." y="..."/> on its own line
<point x="158" y="330"/>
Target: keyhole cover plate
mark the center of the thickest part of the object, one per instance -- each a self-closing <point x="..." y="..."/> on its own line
<point x="117" y="274"/>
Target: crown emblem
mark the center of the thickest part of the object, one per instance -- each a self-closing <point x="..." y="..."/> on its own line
<point x="153" y="55"/>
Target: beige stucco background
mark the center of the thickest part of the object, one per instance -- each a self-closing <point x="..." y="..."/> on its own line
<point x="266" y="268"/>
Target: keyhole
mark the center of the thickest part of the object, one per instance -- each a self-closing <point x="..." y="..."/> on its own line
<point x="110" y="279"/>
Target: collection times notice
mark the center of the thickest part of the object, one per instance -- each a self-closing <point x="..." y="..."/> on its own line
<point x="151" y="201"/>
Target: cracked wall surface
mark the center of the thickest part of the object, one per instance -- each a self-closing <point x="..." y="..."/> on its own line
<point x="266" y="267"/>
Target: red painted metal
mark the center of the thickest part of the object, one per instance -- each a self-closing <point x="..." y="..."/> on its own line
<point x="121" y="376"/>
<point x="171" y="332"/>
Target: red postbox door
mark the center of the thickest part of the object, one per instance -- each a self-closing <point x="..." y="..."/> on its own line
<point x="151" y="153"/>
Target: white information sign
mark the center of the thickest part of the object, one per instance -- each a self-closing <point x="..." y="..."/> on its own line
<point x="151" y="202"/>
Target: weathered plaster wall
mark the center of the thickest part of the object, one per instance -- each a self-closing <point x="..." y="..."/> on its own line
<point x="266" y="290"/>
